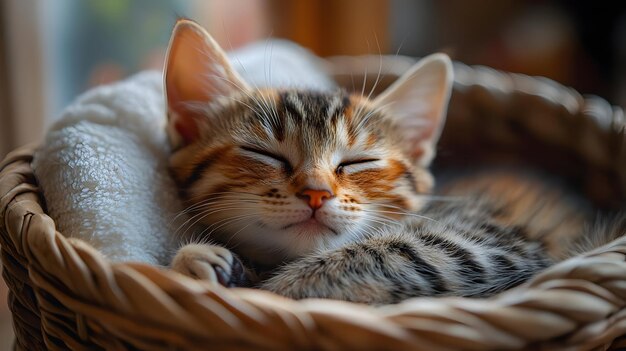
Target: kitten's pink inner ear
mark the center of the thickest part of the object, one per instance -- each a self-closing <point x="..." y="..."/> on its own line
<point x="196" y="71"/>
<point x="418" y="103"/>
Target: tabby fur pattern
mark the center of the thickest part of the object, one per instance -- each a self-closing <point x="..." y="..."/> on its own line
<point x="328" y="194"/>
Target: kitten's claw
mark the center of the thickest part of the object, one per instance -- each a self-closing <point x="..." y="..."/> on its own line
<point x="209" y="262"/>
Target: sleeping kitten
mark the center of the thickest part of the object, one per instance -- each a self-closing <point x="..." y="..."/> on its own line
<point x="325" y="194"/>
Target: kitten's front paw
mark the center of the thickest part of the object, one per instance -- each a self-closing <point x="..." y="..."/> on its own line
<point x="210" y="262"/>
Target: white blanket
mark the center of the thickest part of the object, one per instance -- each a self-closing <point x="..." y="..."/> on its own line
<point x="103" y="165"/>
<point x="103" y="171"/>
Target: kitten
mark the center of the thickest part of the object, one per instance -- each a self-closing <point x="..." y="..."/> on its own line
<point x="325" y="194"/>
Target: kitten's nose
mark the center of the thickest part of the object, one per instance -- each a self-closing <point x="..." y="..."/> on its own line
<point x="315" y="198"/>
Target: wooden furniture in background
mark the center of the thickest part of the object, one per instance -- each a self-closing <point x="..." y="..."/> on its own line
<point x="5" y="111"/>
<point x="22" y="75"/>
<point x="347" y="27"/>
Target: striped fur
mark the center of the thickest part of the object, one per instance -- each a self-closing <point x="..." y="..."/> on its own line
<point x="312" y="133"/>
<point x="244" y="156"/>
<point x="475" y="244"/>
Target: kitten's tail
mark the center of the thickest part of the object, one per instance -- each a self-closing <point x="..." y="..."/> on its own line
<point x="603" y="231"/>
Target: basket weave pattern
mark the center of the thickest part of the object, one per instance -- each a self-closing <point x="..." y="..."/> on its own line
<point x="64" y="294"/>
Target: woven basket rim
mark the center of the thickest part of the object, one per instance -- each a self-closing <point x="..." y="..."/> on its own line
<point x="82" y="296"/>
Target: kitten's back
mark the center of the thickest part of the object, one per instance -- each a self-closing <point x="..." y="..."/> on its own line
<point x="539" y="207"/>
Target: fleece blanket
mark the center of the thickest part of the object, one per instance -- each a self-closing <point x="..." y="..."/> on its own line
<point x="103" y="171"/>
<point x="103" y="165"/>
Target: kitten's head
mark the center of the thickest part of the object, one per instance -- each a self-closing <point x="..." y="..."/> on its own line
<point x="295" y="171"/>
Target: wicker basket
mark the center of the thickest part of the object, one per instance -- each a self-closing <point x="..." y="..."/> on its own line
<point x="65" y="295"/>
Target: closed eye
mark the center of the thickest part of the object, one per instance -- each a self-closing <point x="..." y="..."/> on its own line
<point x="269" y="155"/>
<point x="357" y="165"/>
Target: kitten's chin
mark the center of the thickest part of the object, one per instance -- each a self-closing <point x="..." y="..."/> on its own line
<point x="311" y="227"/>
<point x="308" y="236"/>
<point x="272" y="245"/>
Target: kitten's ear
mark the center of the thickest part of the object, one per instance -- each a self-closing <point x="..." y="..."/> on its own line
<point x="196" y="71"/>
<point x="418" y="101"/>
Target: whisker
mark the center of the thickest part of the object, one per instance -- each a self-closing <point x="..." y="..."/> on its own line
<point x="226" y="198"/>
<point x="242" y="90"/>
<point x="226" y="192"/>
<point x="198" y="206"/>
<point x="385" y="222"/>
<point x="226" y="221"/>
<point x="219" y="199"/>
<point x="202" y="215"/>
<point x="232" y="236"/>
<point x="380" y="68"/>
<point x="401" y="213"/>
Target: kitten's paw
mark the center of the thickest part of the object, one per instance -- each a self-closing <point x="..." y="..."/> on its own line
<point x="210" y="262"/>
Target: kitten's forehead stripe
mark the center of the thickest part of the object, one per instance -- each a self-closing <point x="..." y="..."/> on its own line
<point x="293" y="104"/>
<point x="337" y="108"/>
<point x="279" y="128"/>
<point x="316" y="109"/>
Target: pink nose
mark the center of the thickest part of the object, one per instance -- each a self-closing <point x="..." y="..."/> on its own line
<point x="315" y="198"/>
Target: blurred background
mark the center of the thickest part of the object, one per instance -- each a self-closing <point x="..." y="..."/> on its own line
<point x="50" y="51"/>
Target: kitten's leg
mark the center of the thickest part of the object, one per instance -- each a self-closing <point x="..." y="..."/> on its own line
<point x="391" y="268"/>
<point x="380" y="270"/>
<point x="210" y="262"/>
